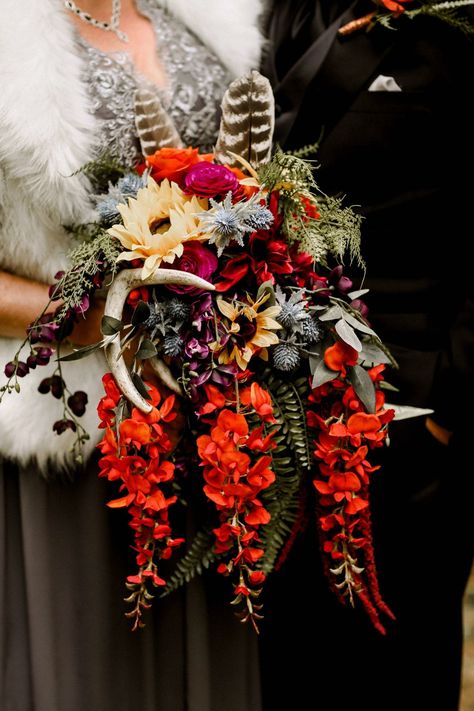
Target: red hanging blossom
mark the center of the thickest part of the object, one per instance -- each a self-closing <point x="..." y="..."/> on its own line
<point x="134" y="452"/>
<point x="342" y="445"/>
<point x="236" y="469"/>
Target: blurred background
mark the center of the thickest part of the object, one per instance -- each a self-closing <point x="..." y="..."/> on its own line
<point x="467" y="699"/>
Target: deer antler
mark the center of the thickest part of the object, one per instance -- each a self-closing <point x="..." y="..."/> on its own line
<point x="127" y="280"/>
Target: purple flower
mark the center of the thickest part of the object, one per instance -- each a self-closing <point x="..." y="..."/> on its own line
<point x="196" y="259"/>
<point x="57" y="386"/>
<point x="208" y="180"/>
<point x="45" y="386"/>
<point x="222" y="375"/>
<point x="44" y="331"/>
<point x="195" y="348"/>
<point x="83" y="306"/>
<point x="10" y="369"/>
<point x="43" y="355"/>
<point x="22" y="369"/>
<point x="202" y="311"/>
<point x="360" y="306"/>
<point x="77" y="403"/>
<point x="340" y="282"/>
<point x="63" y="425"/>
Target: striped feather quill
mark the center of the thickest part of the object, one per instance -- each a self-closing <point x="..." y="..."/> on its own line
<point x="248" y="118"/>
<point x="155" y="127"/>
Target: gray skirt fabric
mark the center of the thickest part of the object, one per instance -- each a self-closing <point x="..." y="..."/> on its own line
<point x="65" y="644"/>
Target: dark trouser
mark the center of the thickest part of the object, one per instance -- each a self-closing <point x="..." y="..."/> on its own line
<point x="317" y="654"/>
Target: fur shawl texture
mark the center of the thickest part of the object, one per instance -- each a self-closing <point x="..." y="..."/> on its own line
<point x="46" y="134"/>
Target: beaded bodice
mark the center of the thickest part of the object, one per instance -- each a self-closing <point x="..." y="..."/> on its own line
<point x="196" y="82"/>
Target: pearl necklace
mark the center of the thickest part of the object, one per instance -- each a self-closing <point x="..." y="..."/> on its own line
<point x="112" y="26"/>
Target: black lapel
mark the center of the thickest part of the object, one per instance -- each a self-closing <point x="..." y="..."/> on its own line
<point x="336" y="69"/>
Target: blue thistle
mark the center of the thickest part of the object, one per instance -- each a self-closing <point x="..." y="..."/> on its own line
<point x="127" y="187"/>
<point x="228" y="222"/>
<point x="131" y="183"/>
<point x="177" y="310"/>
<point x="286" y="356"/>
<point x="310" y="330"/>
<point x="260" y="219"/>
<point x="108" y="210"/>
<point x="293" y="308"/>
<point x="172" y="345"/>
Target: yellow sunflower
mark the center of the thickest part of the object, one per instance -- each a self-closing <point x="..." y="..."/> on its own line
<point x="156" y="224"/>
<point x="250" y="330"/>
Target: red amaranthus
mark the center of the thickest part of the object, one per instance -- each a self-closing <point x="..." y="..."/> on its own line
<point x="134" y="453"/>
<point x="236" y="469"/>
<point x="345" y="435"/>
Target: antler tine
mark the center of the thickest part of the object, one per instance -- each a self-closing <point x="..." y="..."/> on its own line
<point x="127" y="280"/>
<point x="165" y="375"/>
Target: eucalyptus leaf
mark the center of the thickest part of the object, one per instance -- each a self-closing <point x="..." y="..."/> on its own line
<point x="388" y="386"/>
<point x="355" y="323"/>
<point x="80" y="353"/>
<point x="109" y="325"/>
<point x="363" y="386"/>
<point x="140" y="313"/>
<point x="357" y="294"/>
<point x="333" y="313"/>
<point x="322" y="374"/>
<point x="264" y="289"/>
<point x="373" y="354"/>
<point x="147" y="350"/>
<point x="348" y="335"/>
<point x="140" y="386"/>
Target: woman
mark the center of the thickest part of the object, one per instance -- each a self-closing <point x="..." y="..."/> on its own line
<point x="67" y="94"/>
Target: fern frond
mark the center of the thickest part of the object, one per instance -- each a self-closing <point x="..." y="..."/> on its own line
<point x="335" y="232"/>
<point x="291" y="459"/>
<point x="101" y="171"/>
<point x="290" y="412"/>
<point x="199" y="556"/>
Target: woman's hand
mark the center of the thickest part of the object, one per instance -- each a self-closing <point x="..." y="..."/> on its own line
<point x="21" y="302"/>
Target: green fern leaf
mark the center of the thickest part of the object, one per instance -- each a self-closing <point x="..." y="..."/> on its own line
<point x="199" y="556"/>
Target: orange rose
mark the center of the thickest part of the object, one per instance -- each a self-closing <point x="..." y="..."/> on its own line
<point x="173" y="163"/>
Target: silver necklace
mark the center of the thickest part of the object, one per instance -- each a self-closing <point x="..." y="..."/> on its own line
<point x="112" y="26"/>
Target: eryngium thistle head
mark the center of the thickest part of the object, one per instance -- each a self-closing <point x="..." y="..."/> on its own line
<point x="260" y="218"/>
<point x="107" y="209"/>
<point x="310" y="330"/>
<point x="293" y="307"/>
<point x="131" y="183"/>
<point x="127" y="187"/>
<point x="286" y="356"/>
<point x="172" y="345"/>
<point x="177" y="310"/>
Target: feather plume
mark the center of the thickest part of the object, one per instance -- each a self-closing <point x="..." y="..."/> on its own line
<point x="247" y="123"/>
<point x="154" y="126"/>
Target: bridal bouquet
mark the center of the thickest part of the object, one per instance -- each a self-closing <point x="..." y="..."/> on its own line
<point x="225" y="282"/>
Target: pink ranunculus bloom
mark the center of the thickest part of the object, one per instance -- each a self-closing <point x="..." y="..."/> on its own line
<point x="196" y="259"/>
<point x="209" y="180"/>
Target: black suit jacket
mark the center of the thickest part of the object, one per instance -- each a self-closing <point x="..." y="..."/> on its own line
<point x="402" y="156"/>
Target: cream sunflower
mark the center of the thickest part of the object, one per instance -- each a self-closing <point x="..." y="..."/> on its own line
<point x="250" y="330"/>
<point x="156" y="224"/>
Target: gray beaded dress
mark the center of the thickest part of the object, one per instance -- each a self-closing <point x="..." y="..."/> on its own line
<point x="65" y="643"/>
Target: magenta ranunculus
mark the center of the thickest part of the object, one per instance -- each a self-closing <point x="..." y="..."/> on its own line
<point x="208" y="180"/>
<point x="196" y="259"/>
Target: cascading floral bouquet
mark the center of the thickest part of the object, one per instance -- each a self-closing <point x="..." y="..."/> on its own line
<point x="233" y="303"/>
